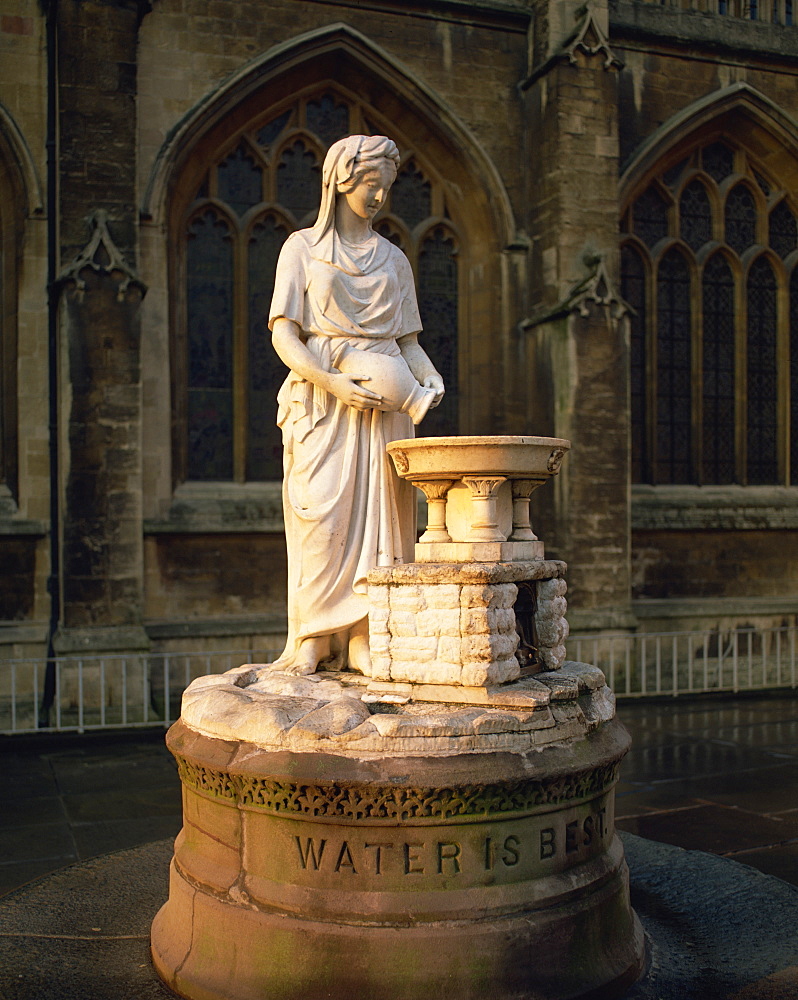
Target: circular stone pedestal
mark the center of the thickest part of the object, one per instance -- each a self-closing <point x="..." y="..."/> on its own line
<point x="344" y="872"/>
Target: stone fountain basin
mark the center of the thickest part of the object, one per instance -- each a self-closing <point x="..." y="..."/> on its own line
<point x="512" y="456"/>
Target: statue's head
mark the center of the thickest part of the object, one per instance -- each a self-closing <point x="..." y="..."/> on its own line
<point x="350" y="165"/>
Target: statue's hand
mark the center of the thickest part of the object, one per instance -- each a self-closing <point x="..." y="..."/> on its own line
<point x="435" y="382"/>
<point x="348" y="389"/>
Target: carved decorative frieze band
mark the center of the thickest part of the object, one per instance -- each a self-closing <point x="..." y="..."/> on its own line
<point x="389" y="802"/>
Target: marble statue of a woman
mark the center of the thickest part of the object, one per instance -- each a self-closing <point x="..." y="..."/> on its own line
<point x="344" y="311"/>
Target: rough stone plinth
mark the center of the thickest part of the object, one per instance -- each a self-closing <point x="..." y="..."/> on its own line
<point x="331" y="711"/>
<point x="455" y="624"/>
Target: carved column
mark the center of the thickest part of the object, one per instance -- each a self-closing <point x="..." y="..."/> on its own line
<point x="484" y="518"/>
<point x="522" y="492"/>
<point x="435" y="491"/>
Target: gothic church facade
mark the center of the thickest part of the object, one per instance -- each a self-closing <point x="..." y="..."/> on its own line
<point x="599" y="203"/>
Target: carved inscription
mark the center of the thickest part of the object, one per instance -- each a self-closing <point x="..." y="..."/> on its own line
<point x="560" y="840"/>
<point x="575" y="836"/>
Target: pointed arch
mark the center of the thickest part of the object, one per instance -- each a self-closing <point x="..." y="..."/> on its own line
<point x="20" y="195"/>
<point x="739" y="110"/>
<point x="336" y="46"/>
<point x="285" y="109"/>
<point x="17" y="166"/>
<point x="742" y="229"/>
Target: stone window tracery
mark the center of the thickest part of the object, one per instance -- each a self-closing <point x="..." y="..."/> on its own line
<point x="709" y="262"/>
<point x="261" y="186"/>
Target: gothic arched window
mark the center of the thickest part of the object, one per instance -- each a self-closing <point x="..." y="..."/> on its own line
<point x="250" y="195"/>
<point x="12" y="200"/>
<point x="709" y="262"/>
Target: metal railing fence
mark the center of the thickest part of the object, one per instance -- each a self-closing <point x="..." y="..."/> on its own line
<point x="107" y="692"/>
<point x="651" y="664"/>
<point x="144" y="689"/>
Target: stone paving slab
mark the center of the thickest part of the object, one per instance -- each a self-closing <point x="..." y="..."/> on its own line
<point x="712" y="827"/>
<point x="717" y="929"/>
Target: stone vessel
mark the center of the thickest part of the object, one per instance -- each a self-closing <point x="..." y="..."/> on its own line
<point x="392" y="379"/>
<point x="441" y="828"/>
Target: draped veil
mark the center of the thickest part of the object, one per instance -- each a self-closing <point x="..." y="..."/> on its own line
<point x="345" y="509"/>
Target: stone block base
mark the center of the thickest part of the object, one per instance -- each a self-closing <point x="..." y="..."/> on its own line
<point x="461" y="623"/>
<point x="340" y="875"/>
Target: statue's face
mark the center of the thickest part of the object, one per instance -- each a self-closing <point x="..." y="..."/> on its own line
<point x="368" y="196"/>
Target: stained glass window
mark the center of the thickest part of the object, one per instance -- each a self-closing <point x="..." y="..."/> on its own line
<point x="761" y="427"/>
<point x="709" y="351"/>
<point x="411" y="195"/>
<point x="740" y="219"/>
<point x="270" y="184"/>
<point x="299" y="180"/>
<point x="783" y="231"/>
<point x="695" y="214"/>
<point x="633" y="290"/>
<point x="209" y="300"/>
<point x="240" y="180"/>
<point x="673" y="174"/>
<point x="718" y="161"/>
<point x="674" y="387"/>
<point x="650" y="215"/>
<point x="328" y="118"/>
<point x="266" y="371"/>
<point x="437" y="302"/>
<point x="718" y="417"/>
<point x="270" y="132"/>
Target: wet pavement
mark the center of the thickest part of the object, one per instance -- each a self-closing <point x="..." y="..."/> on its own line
<point x="715" y="775"/>
<point x="70" y="797"/>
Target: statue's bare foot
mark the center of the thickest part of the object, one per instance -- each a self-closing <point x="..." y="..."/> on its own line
<point x="359" y="652"/>
<point x="310" y="653"/>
